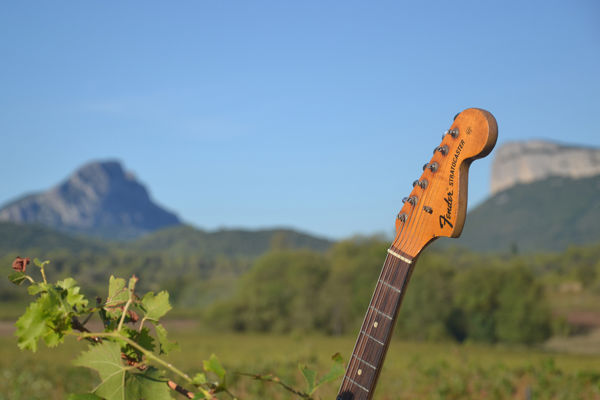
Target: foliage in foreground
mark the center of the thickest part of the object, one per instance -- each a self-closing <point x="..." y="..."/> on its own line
<point x="128" y="353"/>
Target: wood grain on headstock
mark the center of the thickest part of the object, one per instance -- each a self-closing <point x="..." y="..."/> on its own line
<point x="439" y="208"/>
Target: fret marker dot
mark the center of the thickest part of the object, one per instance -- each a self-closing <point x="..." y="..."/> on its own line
<point x="359" y="372"/>
<point x="375" y="324"/>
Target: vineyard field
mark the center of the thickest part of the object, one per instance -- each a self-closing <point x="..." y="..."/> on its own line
<point x="412" y="369"/>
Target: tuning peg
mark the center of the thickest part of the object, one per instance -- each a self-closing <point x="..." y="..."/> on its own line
<point x="402" y="217"/>
<point x="442" y="149"/>
<point x="452" y="132"/>
<point x="411" y="200"/>
<point x="432" y="166"/>
<point x="421" y="183"/>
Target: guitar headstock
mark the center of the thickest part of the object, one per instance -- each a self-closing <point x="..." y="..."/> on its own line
<point x="437" y="204"/>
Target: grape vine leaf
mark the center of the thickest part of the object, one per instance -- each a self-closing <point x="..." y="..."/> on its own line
<point x="117" y="296"/>
<point x="214" y="365"/>
<point x="31" y="326"/>
<point x="310" y="376"/>
<point x="39" y="263"/>
<point x="73" y="297"/>
<point x="147" y="385"/>
<point x="336" y="370"/>
<point x="156" y="306"/>
<point x="120" y="382"/>
<point x="165" y="344"/>
<point x="17" y="277"/>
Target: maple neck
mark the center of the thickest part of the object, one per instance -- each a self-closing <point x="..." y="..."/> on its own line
<point x="376" y="331"/>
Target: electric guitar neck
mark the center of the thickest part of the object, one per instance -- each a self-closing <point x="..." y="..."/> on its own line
<point x="436" y="206"/>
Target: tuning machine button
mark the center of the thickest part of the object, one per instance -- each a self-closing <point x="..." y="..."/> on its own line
<point x="431" y="166"/>
<point x="452" y="132"/>
<point x="412" y="200"/>
<point x="421" y="183"/>
<point x="442" y="149"/>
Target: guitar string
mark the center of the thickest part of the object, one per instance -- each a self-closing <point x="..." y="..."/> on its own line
<point x="360" y="345"/>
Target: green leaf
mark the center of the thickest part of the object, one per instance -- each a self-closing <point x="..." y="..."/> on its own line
<point x="87" y="396"/>
<point x="155" y="306"/>
<point x="199" y="379"/>
<point x="310" y="377"/>
<point x="166" y="346"/>
<point x="213" y="365"/>
<point x="142" y="338"/>
<point x="117" y="296"/>
<point x="31" y="326"/>
<point x="39" y="263"/>
<point x="105" y="358"/>
<point x="37" y="288"/>
<point x="148" y="385"/>
<point x="120" y="382"/>
<point x="67" y="283"/>
<point x="17" y="277"/>
<point x="336" y="370"/>
<point x="76" y="299"/>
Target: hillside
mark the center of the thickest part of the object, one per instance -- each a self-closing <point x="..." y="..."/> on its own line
<point x="549" y="214"/>
<point x="179" y="240"/>
<point x="185" y="239"/>
<point x="22" y="239"/>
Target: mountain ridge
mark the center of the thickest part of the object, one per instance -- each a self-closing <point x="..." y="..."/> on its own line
<point x="98" y="199"/>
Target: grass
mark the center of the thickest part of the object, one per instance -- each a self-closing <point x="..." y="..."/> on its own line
<point x="412" y="370"/>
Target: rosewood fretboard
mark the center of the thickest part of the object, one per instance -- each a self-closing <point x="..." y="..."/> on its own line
<point x="376" y="331"/>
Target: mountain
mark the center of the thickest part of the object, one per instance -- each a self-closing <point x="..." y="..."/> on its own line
<point x="548" y="214"/>
<point x="99" y="199"/>
<point x="530" y="161"/>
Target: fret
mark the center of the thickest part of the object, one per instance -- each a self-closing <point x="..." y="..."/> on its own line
<point x="375" y="333"/>
<point x="377" y="326"/>
<point x="369" y="350"/>
<point x="364" y="362"/>
<point x="358" y="384"/>
<point x="381" y="312"/>
<point x="396" y="276"/>
<point x="385" y="299"/>
<point x="390" y="286"/>
<point x="362" y="374"/>
<point x="372" y="338"/>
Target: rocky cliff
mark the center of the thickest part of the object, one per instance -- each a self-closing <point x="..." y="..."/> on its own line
<point x="529" y="161"/>
<point x="99" y="199"/>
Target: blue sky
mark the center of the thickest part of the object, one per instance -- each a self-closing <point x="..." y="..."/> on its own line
<point x="312" y="114"/>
